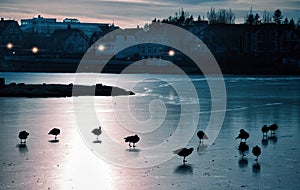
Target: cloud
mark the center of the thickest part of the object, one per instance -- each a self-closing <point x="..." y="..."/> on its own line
<point x="190" y="2"/>
<point x="132" y="12"/>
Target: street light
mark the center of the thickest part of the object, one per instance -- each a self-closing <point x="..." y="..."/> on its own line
<point x="34" y="50"/>
<point x="101" y="47"/>
<point x="9" y="46"/>
<point x="171" y="53"/>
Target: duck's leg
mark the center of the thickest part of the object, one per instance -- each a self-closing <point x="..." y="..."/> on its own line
<point x="184" y="159"/>
<point x="133" y="144"/>
<point x="129" y="144"/>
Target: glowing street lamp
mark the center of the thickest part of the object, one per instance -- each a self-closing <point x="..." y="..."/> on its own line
<point x="34" y="50"/>
<point x="101" y="47"/>
<point x="171" y="53"/>
<point x="9" y="46"/>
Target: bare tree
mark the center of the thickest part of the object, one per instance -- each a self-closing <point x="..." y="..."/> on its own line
<point x="220" y="17"/>
<point x="212" y="16"/>
<point x="266" y="17"/>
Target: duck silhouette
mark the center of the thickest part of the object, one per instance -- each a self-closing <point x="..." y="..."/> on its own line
<point x="243" y="135"/>
<point x="132" y="140"/>
<point x="243" y="147"/>
<point x="273" y="128"/>
<point x="23" y="136"/>
<point x="256" y="152"/>
<point x="184" y="152"/>
<point x="55" y="132"/>
<point x="265" y="130"/>
<point x="201" y="135"/>
<point x="97" y="131"/>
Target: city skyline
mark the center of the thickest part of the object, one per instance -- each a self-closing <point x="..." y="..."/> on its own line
<point x="138" y="12"/>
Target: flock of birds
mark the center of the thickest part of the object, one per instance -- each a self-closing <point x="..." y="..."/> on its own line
<point x="183" y="152"/>
<point x="256" y="150"/>
<point x="243" y="147"/>
<point x="24" y="134"/>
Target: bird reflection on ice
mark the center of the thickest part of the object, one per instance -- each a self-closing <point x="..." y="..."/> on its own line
<point x="133" y="150"/>
<point x="184" y="169"/>
<point x="22" y="148"/>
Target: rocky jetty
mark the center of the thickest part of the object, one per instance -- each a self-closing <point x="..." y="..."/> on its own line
<point x="58" y="90"/>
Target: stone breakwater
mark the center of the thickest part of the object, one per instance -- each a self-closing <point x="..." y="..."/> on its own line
<point x="58" y="90"/>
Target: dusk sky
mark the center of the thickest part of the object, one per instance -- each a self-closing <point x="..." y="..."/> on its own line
<point x="130" y="13"/>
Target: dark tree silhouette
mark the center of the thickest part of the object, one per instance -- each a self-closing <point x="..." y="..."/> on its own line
<point x="292" y="23"/>
<point x="266" y="17"/>
<point x="252" y="19"/>
<point x="212" y="16"/>
<point x="277" y="16"/>
<point x="220" y="17"/>
<point x="249" y="18"/>
<point x="257" y="19"/>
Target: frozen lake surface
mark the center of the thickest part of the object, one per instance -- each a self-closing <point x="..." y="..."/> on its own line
<point x="75" y="161"/>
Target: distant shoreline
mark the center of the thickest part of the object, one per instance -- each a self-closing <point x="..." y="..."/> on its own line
<point x="58" y="90"/>
<point x="59" y="65"/>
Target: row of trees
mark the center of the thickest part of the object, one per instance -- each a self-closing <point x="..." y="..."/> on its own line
<point x="255" y="19"/>
<point x="223" y="16"/>
<point x="181" y="18"/>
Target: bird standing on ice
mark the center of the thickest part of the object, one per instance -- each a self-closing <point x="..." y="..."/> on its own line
<point x="55" y="132"/>
<point x="256" y="152"/>
<point x="265" y="130"/>
<point x="201" y="135"/>
<point x="132" y="139"/>
<point x="97" y="131"/>
<point x="273" y="128"/>
<point x="184" y="152"/>
<point x="243" y="135"/>
<point x="23" y="136"/>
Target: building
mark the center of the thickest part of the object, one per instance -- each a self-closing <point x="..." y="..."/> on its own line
<point x="113" y="43"/>
<point x="46" y="26"/>
<point x="68" y="42"/>
<point x="145" y="43"/>
<point x="10" y="37"/>
<point x="197" y="28"/>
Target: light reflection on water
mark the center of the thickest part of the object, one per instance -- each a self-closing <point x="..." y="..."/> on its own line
<point x="69" y="163"/>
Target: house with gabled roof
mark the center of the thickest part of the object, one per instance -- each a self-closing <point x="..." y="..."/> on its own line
<point x="10" y="36"/>
<point x="68" y="41"/>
